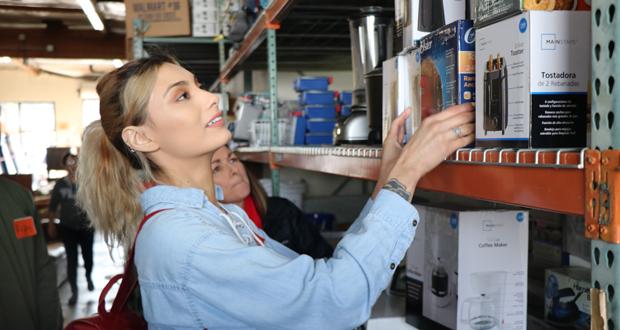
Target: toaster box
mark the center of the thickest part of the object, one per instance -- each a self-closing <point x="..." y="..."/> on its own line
<point x="567" y="297"/>
<point x="447" y="67"/>
<point x="493" y="262"/>
<point x="532" y="83"/>
<point x="490" y="11"/>
<point x="420" y="17"/>
<point x="414" y="279"/>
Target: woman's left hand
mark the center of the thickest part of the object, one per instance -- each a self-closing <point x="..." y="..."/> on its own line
<point x="392" y="147"/>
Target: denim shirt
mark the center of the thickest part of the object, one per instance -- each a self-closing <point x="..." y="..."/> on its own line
<point x="195" y="272"/>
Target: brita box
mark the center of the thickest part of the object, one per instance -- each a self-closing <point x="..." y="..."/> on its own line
<point x="532" y="79"/>
<point x="447" y="67"/>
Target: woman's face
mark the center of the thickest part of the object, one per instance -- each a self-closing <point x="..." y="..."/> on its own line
<point x="184" y="120"/>
<point x="229" y="173"/>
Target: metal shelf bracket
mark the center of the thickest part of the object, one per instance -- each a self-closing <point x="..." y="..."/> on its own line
<point x="602" y="180"/>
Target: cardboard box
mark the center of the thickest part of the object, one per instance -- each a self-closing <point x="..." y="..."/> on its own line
<point x="165" y="17"/>
<point x="440" y="265"/>
<point x="205" y="29"/>
<point x="447" y="67"/>
<point x="390" y="94"/>
<point x="204" y="16"/>
<point x="414" y="279"/>
<point x="532" y="82"/>
<point x="491" y="11"/>
<point x="204" y="4"/>
<point x="492" y="286"/>
<point x="424" y="16"/>
<point x="567" y="297"/>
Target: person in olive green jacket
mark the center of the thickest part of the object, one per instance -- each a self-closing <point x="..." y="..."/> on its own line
<point x="28" y="292"/>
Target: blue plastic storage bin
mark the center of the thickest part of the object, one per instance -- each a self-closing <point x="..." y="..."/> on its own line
<point x="320" y="125"/>
<point x="345" y="110"/>
<point x="346" y="98"/>
<point x="302" y="84"/>
<point x="314" y="97"/>
<point x="319" y="138"/>
<point x="320" y="111"/>
<point x="300" y="131"/>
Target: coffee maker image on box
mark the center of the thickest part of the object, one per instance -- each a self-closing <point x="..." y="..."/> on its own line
<point x="485" y="310"/>
<point x="495" y="95"/>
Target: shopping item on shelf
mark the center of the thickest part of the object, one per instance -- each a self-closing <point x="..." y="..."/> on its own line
<point x="320" y="125"/>
<point x="346" y="98"/>
<point x="390" y="94"/>
<point x="167" y="18"/>
<point x="320" y="138"/>
<point x="440" y="265"/>
<point x="492" y="268"/>
<point x="305" y="83"/>
<point x="424" y="16"/>
<point x="532" y="80"/>
<point x="409" y="89"/>
<point x="447" y="67"/>
<point x="490" y="11"/>
<point x="567" y="297"/>
<point x="414" y="280"/>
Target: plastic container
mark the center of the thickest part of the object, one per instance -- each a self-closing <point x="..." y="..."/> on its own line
<point x="346" y="98"/>
<point x="319" y="138"/>
<point x="315" y="97"/>
<point x="320" y="111"/>
<point x="345" y="110"/>
<point x="300" y="130"/>
<point x="320" y="125"/>
<point x="302" y="84"/>
<point x="292" y="190"/>
<point x="260" y="132"/>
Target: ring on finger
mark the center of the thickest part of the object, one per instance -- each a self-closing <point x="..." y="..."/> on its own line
<point x="457" y="131"/>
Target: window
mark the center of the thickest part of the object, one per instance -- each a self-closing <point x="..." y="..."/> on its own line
<point x="90" y="111"/>
<point x="27" y="129"/>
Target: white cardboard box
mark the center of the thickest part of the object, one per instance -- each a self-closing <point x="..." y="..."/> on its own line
<point x="415" y="275"/>
<point x="425" y="16"/>
<point x="493" y="255"/>
<point x="532" y="76"/>
<point x="390" y="93"/>
<point x="440" y="265"/>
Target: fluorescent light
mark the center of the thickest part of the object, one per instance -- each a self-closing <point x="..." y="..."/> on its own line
<point x="91" y="14"/>
<point x="117" y="63"/>
<point x="5" y="60"/>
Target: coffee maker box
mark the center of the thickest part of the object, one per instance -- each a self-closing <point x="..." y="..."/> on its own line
<point x="491" y="11"/>
<point x="414" y="279"/>
<point x="440" y="265"/>
<point x="447" y="67"/>
<point x="493" y="256"/>
<point x="409" y="76"/>
<point x="567" y="297"/>
<point x="424" y="16"/>
<point x="532" y="82"/>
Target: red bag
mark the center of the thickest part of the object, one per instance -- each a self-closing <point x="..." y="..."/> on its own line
<point x="119" y="316"/>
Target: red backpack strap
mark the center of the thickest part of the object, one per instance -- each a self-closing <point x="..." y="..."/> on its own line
<point x="130" y="278"/>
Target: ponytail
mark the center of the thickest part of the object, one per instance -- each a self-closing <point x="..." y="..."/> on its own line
<point x="109" y="188"/>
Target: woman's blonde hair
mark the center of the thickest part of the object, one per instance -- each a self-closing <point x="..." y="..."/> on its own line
<point x="110" y="175"/>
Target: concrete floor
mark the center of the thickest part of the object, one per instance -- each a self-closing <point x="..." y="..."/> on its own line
<point x="103" y="269"/>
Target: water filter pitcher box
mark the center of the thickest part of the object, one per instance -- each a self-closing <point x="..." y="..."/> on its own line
<point x="533" y="72"/>
<point x="447" y="67"/>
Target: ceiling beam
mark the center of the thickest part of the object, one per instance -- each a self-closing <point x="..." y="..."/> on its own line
<point x="61" y="43"/>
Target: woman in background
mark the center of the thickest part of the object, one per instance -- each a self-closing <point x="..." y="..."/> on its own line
<point x="278" y="217"/>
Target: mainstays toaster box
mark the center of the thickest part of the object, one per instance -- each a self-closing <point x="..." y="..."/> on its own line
<point x="447" y="67"/>
<point x="532" y="82"/>
<point x="567" y="297"/>
<point x="490" y="11"/>
<point x="414" y="279"/>
<point x="493" y="258"/>
<point x="424" y="16"/>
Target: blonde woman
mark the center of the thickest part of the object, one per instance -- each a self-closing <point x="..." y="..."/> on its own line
<point x="202" y="264"/>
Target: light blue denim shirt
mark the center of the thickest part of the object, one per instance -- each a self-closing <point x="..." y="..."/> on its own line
<point x="196" y="273"/>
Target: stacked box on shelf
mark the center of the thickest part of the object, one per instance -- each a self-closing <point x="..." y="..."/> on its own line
<point x="346" y="101"/>
<point x="205" y="18"/>
<point x="319" y="108"/>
